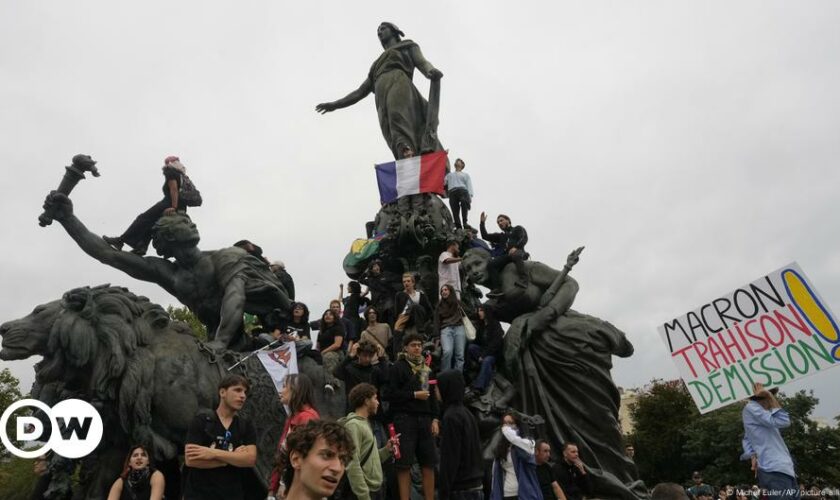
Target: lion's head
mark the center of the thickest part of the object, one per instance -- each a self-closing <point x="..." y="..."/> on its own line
<point x="28" y="336"/>
<point x="91" y="329"/>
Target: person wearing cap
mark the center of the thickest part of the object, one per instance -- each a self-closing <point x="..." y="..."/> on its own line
<point x="763" y="445"/>
<point x="139" y="233"/>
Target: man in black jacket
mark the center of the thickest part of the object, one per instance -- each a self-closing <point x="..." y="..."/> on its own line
<point x="461" y="469"/>
<point x="415" y="415"/>
<point x="514" y="239"/>
<point x="572" y="474"/>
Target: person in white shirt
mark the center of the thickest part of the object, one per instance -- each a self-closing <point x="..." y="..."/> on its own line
<point x="460" y="191"/>
<point x="448" y="268"/>
<point x="514" y="465"/>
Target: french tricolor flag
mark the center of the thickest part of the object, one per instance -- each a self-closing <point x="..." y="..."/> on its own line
<point x="419" y="174"/>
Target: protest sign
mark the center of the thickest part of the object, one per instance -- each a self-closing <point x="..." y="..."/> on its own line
<point x="774" y="330"/>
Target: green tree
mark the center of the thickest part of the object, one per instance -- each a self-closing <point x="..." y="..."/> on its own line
<point x="672" y="439"/>
<point x="816" y="451"/>
<point x="661" y="415"/>
<point x="9" y="393"/>
<point x="184" y="314"/>
<point x="17" y="480"/>
<point x="16" y="476"/>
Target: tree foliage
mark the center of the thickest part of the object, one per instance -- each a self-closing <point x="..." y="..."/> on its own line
<point x="672" y="439"/>
<point x="184" y="314"/>
<point x="9" y="393"/>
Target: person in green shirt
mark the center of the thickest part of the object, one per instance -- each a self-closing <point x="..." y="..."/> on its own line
<point x="364" y="472"/>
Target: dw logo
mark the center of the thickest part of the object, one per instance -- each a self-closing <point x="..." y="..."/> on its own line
<point x="76" y="428"/>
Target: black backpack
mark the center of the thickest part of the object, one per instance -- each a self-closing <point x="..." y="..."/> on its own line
<point x="188" y="194"/>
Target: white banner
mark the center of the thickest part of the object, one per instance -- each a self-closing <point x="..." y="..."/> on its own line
<point x="280" y="362"/>
<point x="774" y="330"/>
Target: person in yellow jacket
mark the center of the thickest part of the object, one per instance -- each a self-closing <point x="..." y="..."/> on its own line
<point x="364" y="471"/>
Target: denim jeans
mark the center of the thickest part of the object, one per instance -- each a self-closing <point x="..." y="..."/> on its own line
<point x="776" y="485"/>
<point x="453" y="341"/>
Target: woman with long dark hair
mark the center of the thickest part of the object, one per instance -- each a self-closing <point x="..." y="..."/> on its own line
<point x="514" y="465"/>
<point x="448" y="324"/>
<point x="488" y="348"/>
<point x="330" y="343"/>
<point x="139" y="479"/>
<point x="298" y="398"/>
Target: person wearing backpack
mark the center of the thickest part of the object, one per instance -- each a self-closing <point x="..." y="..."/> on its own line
<point x="363" y="479"/>
<point x="178" y="193"/>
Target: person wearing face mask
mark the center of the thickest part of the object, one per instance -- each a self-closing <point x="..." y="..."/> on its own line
<point x="139" y="480"/>
<point x="514" y="464"/>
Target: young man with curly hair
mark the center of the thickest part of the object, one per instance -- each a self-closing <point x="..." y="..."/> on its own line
<point x="316" y="456"/>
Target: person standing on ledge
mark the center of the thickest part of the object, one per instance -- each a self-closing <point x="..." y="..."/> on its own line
<point x="513" y="239"/>
<point x="763" y="445"/>
<point x="139" y="233"/>
<point x="460" y="191"/>
<point x="403" y="112"/>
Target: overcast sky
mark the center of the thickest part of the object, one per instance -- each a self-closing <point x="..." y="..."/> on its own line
<point x="691" y="146"/>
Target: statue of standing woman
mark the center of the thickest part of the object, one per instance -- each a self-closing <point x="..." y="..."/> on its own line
<point x="408" y="121"/>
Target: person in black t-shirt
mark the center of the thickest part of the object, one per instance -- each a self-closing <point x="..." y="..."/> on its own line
<point x="139" y="233"/>
<point x="220" y="446"/>
<point x="549" y="486"/>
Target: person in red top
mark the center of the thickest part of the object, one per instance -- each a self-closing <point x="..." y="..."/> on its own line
<point x="298" y="397"/>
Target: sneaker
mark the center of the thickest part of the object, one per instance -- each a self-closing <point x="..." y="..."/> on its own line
<point x="329" y="390"/>
<point x="115" y="241"/>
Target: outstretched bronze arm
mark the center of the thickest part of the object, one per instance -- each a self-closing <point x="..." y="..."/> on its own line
<point x="59" y="207"/>
<point x="350" y="99"/>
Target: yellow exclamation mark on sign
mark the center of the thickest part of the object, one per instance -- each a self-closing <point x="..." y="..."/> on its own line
<point x="809" y="305"/>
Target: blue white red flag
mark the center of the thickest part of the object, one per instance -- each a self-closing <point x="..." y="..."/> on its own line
<point x="419" y="174"/>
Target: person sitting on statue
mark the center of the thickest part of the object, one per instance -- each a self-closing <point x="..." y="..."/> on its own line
<point x="514" y="239"/>
<point x="217" y="285"/>
<point x="139" y="479"/>
<point x="352" y="304"/>
<point x="330" y="343"/>
<point x="449" y="325"/>
<point x="379" y="282"/>
<point x="378" y="333"/>
<point x="473" y="241"/>
<point x="412" y="310"/>
<point x="460" y="191"/>
<point x="139" y="233"/>
<point x="252" y="249"/>
<point x="279" y="270"/>
<point x="349" y="327"/>
<point x="487" y="349"/>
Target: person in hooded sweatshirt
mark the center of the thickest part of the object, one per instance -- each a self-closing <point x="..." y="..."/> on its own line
<point x="461" y="469"/>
